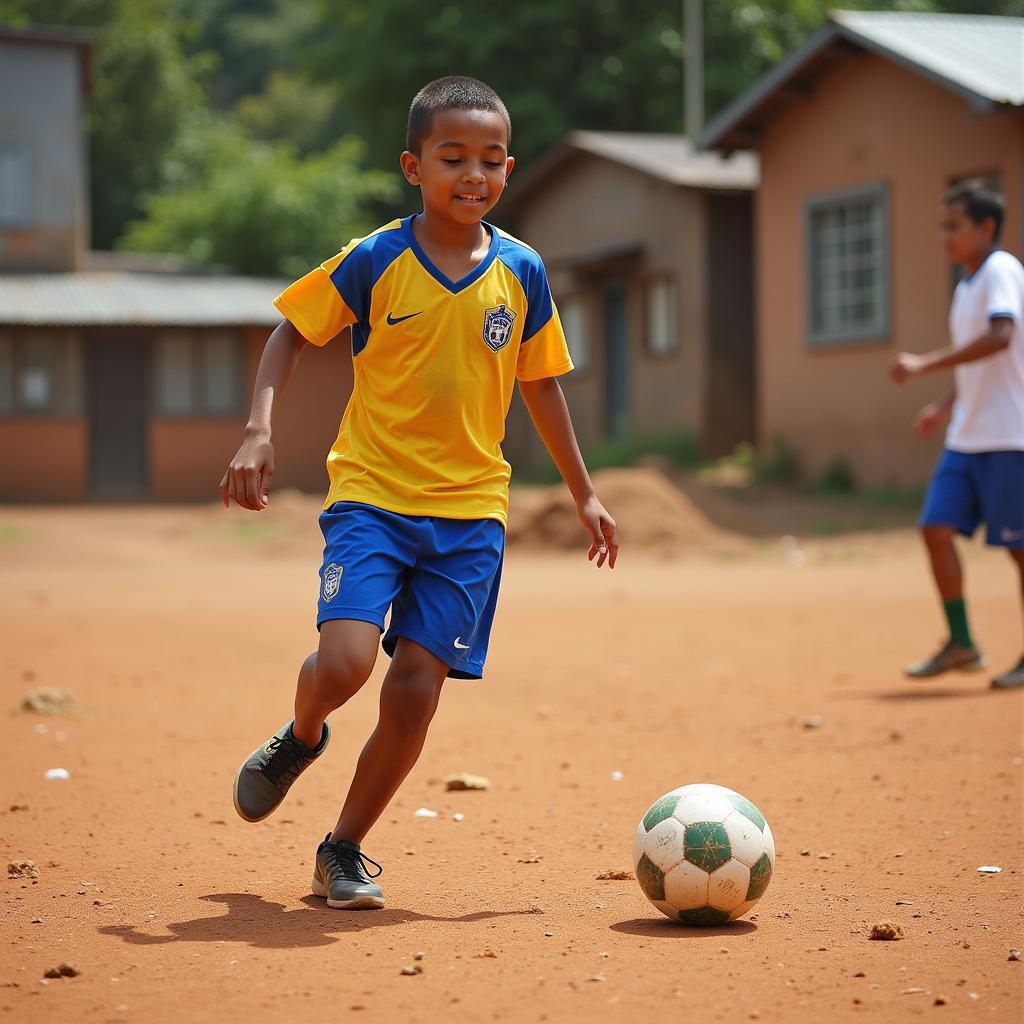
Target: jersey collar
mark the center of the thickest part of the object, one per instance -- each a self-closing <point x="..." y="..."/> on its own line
<point x="453" y="286"/>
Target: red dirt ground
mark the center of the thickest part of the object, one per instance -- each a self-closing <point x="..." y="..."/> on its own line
<point x="179" y="632"/>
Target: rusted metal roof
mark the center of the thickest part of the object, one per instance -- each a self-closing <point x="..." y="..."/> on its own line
<point x="105" y="298"/>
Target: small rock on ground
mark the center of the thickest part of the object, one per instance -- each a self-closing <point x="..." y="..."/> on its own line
<point x="22" y="869"/>
<point x="463" y="780"/>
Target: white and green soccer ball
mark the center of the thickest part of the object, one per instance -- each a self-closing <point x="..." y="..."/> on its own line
<point x="703" y="854"/>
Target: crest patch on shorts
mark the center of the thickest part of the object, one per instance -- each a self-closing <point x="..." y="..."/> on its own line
<point x="498" y="321"/>
<point x="332" y="580"/>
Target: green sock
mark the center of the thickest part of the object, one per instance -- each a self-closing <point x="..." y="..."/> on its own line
<point x="956" y="616"/>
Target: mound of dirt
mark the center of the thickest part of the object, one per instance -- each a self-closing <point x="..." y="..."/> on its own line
<point x="651" y="513"/>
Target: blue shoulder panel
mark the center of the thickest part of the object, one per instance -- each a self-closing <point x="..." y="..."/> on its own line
<point x="528" y="268"/>
<point x="360" y="270"/>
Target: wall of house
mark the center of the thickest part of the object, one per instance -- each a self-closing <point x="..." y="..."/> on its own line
<point x="595" y="222"/>
<point x="868" y="121"/>
<point x="43" y="459"/>
<point x="46" y="458"/>
<point x="188" y="456"/>
<point x="41" y="135"/>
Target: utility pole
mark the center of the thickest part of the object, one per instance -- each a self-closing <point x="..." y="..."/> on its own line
<point x="693" y="77"/>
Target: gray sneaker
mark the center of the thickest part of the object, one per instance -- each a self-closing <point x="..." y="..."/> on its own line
<point x="950" y="658"/>
<point x="341" y="874"/>
<point x="267" y="773"/>
<point x="1008" y="680"/>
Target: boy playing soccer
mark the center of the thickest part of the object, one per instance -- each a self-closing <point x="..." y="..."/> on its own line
<point x="980" y="476"/>
<point x="446" y="313"/>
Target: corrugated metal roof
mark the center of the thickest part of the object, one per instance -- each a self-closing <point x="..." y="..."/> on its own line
<point x="111" y="299"/>
<point x="670" y="157"/>
<point x="664" y="155"/>
<point x="984" y="55"/>
<point x="981" y="58"/>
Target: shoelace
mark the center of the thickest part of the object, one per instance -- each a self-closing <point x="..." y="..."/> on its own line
<point x="351" y="863"/>
<point x="286" y="756"/>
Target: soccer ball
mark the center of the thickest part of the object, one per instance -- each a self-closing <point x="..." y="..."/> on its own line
<point x="703" y="854"/>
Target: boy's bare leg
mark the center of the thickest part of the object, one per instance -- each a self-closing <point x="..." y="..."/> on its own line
<point x="960" y="652"/>
<point x="408" y="700"/>
<point x="336" y="672"/>
<point x="327" y="679"/>
<point x="1017" y="554"/>
<point x="945" y="561"/>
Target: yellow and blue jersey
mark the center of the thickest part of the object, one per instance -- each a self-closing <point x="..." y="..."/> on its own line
<point x="435" y="362"/>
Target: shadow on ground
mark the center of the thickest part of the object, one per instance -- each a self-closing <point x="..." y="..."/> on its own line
<point x="266" y="925"/>
<point x="653" y="928"/>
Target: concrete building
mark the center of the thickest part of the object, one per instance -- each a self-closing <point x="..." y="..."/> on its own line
<point x="648" y="247"/>
<point x="860" y="132"/>
<point x="122" y="378"/>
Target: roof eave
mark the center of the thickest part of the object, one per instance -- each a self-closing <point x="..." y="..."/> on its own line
<point x="730" y="130"/>
<point x="726" y="130"/>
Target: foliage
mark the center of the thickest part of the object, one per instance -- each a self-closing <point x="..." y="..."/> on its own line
<point x="836" y="477"/>
<point x="283" y="80"/>
<point x="258" y="207"/>
<point x="778" y="463"/>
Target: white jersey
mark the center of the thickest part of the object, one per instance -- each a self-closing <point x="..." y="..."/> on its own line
<point x="988" y="414"/>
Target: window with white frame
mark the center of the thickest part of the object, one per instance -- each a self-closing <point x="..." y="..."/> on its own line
<point x="572" y="311"/>
<point x="848" y="266"/>
<point x="198" y="374"/>
<point x="15" y="184"/>
<point x="661" y="333"/>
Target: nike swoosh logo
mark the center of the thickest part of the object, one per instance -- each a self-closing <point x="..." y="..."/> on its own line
<point x="392" y="320"/>
<point x="461" y="646"/>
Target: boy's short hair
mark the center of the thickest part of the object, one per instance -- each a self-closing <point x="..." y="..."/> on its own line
<point x="454" y="92"/>
<point x="980" y="202"/>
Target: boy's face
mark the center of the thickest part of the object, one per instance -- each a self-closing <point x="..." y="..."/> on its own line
<point x="462" y="166"/>
<point x="965" y="240"/>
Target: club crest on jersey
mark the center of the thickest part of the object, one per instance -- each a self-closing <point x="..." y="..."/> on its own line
<point x="332" y="580"/>
<point x="498" y="323"/>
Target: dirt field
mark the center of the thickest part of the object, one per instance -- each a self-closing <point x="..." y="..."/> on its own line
<point x="179" y="632"/>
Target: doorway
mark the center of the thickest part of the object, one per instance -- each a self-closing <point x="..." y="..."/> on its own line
<point x="616" y="340"/>
<point x="116" y="375"/>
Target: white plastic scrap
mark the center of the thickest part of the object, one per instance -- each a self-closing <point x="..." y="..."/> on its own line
<point x="57" y="773"/>
<point x="424" y="812"/>
<point x="989" y="869"/>
<point x="617" y="776"/>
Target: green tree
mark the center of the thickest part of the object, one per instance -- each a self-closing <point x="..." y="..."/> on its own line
<point x="257" y="207"/>
<point x="602" y="64"/>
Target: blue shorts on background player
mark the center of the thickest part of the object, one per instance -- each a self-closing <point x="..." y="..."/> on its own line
<point x="980" y="476"/>
<point x="445" y="313"/>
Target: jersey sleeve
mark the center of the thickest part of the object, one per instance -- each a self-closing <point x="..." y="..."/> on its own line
<point x="1003" y="297"/>
<point x="330" y="297"/>
<point x="543" y="352"/>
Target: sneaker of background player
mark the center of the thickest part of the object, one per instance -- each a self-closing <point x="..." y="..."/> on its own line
<point x="949" y="658"/>
<point x="268" y="772"/>
<point x="342" y="875"/>
<point x="1014" y="677"/>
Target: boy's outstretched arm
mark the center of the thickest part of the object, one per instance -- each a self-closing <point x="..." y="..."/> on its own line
<point x="998" y="337"/>
<point x="550" y="415"/>
<point x="247" y="479"/>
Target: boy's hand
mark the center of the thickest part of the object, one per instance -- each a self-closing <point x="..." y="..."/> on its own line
<point x="601" y="527"/>
<point x="905" y="366"/>
<point x="929" y="419"/>
<point x="247" y="479"/>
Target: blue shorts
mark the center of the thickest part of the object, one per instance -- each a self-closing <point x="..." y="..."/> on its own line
<point x="439" y="577"/>
<point x="968" y="488"/>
